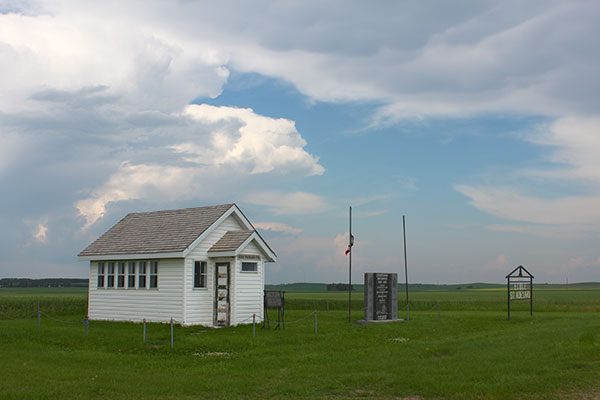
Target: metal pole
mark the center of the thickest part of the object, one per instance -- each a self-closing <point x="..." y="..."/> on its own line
<point x="39" y="317"/>
<point x="144" y="330"/>
<point x="508" y="295"/>
<point x="315" y="322"/>
<point x="253" y="325"/>
<point x="349" y="271"/>
<point x="531" y="297"/>
<point x="405" y="268"/>
<point x="171" y="332"/>
<point x="86" y="322"/>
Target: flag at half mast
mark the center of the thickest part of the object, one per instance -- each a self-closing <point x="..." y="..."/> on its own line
<point x="350" y="244"/>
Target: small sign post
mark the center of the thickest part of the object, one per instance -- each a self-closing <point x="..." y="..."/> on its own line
<point x="274" y="299"/>
<point x="519" y="286"/>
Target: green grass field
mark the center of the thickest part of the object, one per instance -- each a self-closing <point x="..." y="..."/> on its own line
<point x="472" y="351"/>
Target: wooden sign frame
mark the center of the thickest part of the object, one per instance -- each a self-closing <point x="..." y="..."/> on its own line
<point x="522" y="288"/>
<point x="274" y="299"/>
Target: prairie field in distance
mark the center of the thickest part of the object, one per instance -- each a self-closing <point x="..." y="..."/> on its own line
<point x="468" y="350"/>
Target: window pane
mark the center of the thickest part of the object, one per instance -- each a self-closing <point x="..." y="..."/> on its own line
<point x="111" y="275"/>
<point x="121" y="269"/>
<point x="153" y="274"/>
<point x="200" y="274"/>
<point x="131" y="274"/>
<point x="142" y="277"/>
<point x="249" y="266"/>
<point x="100" y="275"/>
<point x="196" y="273"/>
<point x="142" y="280"/>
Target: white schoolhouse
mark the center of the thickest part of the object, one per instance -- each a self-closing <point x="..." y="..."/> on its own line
<point x="199" y="266"/>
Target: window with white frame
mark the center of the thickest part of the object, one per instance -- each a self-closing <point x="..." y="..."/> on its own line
<point x="121" y="271"/>
<point x="153" y="274"/>
<point x="111" y="275"/>
<point x="142" y="275"/>
<point x="131" y="274"/>
<point x="249" y="266"/>
<point x="200" y="274"/>
<point x="101" y="275"/>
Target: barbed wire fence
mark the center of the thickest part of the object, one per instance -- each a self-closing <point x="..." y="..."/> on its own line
<point x="255" y="318"/>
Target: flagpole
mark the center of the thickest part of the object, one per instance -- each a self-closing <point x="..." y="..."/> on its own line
<point x="350" y="268"/>
<point x="405" y="269"/>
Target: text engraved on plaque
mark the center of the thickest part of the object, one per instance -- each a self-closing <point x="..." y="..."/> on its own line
<point x="382" y="297"/>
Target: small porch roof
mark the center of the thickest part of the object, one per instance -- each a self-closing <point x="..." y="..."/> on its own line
<point x="234" y="242"/>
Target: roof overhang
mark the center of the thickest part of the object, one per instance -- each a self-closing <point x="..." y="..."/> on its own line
<point x="239" y="215"/>
<point x="232" y="210"/>
<point x="270" y="256"/>
<point x="108" y="257"/>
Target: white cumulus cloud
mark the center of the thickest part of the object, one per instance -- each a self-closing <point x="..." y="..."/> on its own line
<point x="40" y="233"/>
<point x="573" y="144"/>
<point x="242" y="137"/>
<point x="222" y="146"/>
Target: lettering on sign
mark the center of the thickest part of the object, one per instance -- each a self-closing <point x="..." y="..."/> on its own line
<point x="272" y="299"/>
<point x="520" y="291"/>
<point x="381" y="296"/>
<point x="519" y="284"/>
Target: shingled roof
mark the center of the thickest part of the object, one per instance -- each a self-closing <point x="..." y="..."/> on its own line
<point x="230" y="241"/>
<point x="156" y="232"/>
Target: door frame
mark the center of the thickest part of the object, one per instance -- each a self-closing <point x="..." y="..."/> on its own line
<point x="216" y="293"/>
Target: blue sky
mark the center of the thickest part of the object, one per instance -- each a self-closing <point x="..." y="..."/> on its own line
<point x="479" y="121"/>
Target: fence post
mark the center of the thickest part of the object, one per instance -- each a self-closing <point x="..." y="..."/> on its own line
<point x="327" y="301"/>
<point x="253" y="325"/>
<point x="315" y="322"/>
<point x="144" y="330"/>
<point x="86" y="322"/>
<point x="171" y="332"/>
<point x="39" y="312"/>
<point x="438" y="309"/>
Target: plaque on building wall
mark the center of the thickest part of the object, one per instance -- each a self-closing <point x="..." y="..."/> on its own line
<point x="381" y="296"/>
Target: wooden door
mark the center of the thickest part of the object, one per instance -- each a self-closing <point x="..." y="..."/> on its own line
<point x="223" y="307"/>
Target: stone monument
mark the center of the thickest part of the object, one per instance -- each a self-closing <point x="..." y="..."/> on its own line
<point x="381" y="296"/>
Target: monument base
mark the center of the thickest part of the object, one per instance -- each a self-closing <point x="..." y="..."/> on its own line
<point x="378" y="321"/>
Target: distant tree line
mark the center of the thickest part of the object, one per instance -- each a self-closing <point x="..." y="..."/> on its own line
<point x="338" y="287"/>
<point x="46" y="282"/>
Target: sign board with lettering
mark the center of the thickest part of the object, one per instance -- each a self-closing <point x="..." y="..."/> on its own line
<point x="519" y="285"/>
<point x="520" y="291"/>
<point x="273" y="299"/>
<point x="381" y="296"/>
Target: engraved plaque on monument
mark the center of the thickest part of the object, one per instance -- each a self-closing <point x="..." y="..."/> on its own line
<point x="381" y="296"/>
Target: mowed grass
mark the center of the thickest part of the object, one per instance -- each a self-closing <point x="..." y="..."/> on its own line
<point x="547" y="300"/>
<point x="463" y="354"/>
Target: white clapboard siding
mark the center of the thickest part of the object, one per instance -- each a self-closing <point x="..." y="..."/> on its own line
<point x="199" y="303"/>
<point x="249" y="286"/>
<point x="154" y="305"/>
<point x="201" y="250"/>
